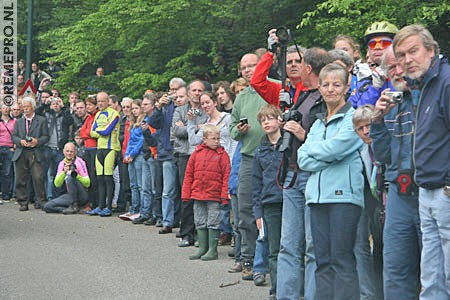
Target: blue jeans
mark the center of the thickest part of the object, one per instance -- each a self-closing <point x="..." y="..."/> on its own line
<point x="310" y="270"/>
<point x="261" y="260"/>
<point x="434" y="208"/>
<point x="225" y="225"/>
<point x="169" y="169"/>
<point x="402" y="246"/>
<point x="53" y="157"/>
<point x="237" y="234"/>
<point x="334" y="229"/>
<point x="6" y="174"/>
<point x="135" y="173"/>
<point x="147" y="192"/>
<point x="291" y="258"/>
<point x="364" y="261"/>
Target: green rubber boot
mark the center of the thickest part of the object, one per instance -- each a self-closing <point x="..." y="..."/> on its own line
<point x="213" y="241"/>
<point x="202" y="235"/>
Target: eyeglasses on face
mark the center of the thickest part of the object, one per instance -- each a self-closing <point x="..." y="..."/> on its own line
<point x="243" y="68"/>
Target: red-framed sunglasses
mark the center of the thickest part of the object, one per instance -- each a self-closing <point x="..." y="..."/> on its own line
<point x="383" y="43"/>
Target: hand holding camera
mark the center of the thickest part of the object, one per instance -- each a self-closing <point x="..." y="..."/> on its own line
<point x="73" y="170"/>
<point x="272" y="40"/>
<point x="165" y="99"/>
<point x="385" y="103"/>
<point x="193" y="113"/>
<point x="29" y="142"/>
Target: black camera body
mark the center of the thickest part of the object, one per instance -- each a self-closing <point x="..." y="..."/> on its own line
<point x="73" y="169"/>
<point x="288" y="138"/>
<point x="195" y="111"/>
<point x="291" y="115"/>
<point x="284" y="35"/>
<point x="28" y="139"/>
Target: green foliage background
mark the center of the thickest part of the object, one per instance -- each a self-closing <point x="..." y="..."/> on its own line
<point x="143" y="43"/>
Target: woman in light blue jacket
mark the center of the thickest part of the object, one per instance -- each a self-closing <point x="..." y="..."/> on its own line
<point x="335" y="188"/>
<point x="134" y="158"/>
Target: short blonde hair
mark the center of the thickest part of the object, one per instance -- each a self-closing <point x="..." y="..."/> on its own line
<point x="208" y="129"/>
<point x="238" y="82"/>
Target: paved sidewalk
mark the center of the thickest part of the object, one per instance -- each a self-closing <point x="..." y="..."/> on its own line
<point x="45" y="256"/>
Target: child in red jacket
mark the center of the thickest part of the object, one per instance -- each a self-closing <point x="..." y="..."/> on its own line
<point x="206" y="182"/>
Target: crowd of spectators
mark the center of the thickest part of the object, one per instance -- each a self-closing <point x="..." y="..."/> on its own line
<point x="336" y="184"/>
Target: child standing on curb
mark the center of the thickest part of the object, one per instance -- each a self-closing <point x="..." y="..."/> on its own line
<point x="267" y="195"/>
<point x="206" y="182"/>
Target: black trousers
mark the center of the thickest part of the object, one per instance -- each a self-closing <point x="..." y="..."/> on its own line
<point x="125" y="191"/>
<point x="28" y="167"/>
<point x="89" y="158"/>
<point x="187" y="228"/>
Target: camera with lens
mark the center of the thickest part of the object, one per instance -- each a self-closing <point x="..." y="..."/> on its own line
<point x="288" y="138"/>
<point x="73" y="170"/>
<point x="28" y="139"/>
<point x="195" y="111"/>
<point x="170" y="99"/>
<point x="395" y="97"/>
<point x="283" y="35"/>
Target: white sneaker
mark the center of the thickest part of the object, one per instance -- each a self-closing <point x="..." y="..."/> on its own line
<point x="1" y="201"/>
<point x="128" y="216"/>
<point x="134" y="216"/>
<point x="125" y="216"/>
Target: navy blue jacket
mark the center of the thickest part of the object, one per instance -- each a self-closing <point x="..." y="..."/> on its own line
<point x="432" y="138"/>
<point x="266" y="161"/>
<point x="162" y="121"/>
<point x="393" y="139"/>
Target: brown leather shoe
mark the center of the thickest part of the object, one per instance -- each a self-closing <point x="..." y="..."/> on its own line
<point x="165" y="230"/>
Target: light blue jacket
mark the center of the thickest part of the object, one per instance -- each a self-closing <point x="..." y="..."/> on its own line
<point x="331" y="154"/>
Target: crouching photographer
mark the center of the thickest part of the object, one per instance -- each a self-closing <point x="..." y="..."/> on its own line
<point x="71" y="170"/>
<point x="392" y="133"/>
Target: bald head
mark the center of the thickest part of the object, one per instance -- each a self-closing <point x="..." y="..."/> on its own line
<point x="102" y="100"/>
<point x="69" y="151"/>
<point x="248" y="64"/>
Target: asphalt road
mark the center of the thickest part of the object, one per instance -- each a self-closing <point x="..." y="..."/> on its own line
<point x="46" y="256"/>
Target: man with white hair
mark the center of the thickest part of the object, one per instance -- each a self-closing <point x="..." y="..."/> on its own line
<point x="30" y="135"/>
<point x="392" y="132"/>
<point x="428" y="75"/>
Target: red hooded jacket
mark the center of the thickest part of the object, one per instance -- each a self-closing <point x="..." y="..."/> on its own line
<point x="207" y="174"/>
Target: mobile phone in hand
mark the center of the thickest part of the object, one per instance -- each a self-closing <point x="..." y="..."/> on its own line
<point x="243" y="120"/>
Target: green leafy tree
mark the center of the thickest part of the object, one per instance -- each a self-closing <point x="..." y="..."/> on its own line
<point x="329" y="18"/>
<point x="142" y="44"/>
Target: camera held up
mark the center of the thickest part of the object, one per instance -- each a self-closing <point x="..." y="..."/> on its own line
<point x="288" y="115"/>
<point x="395" y="97"/>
